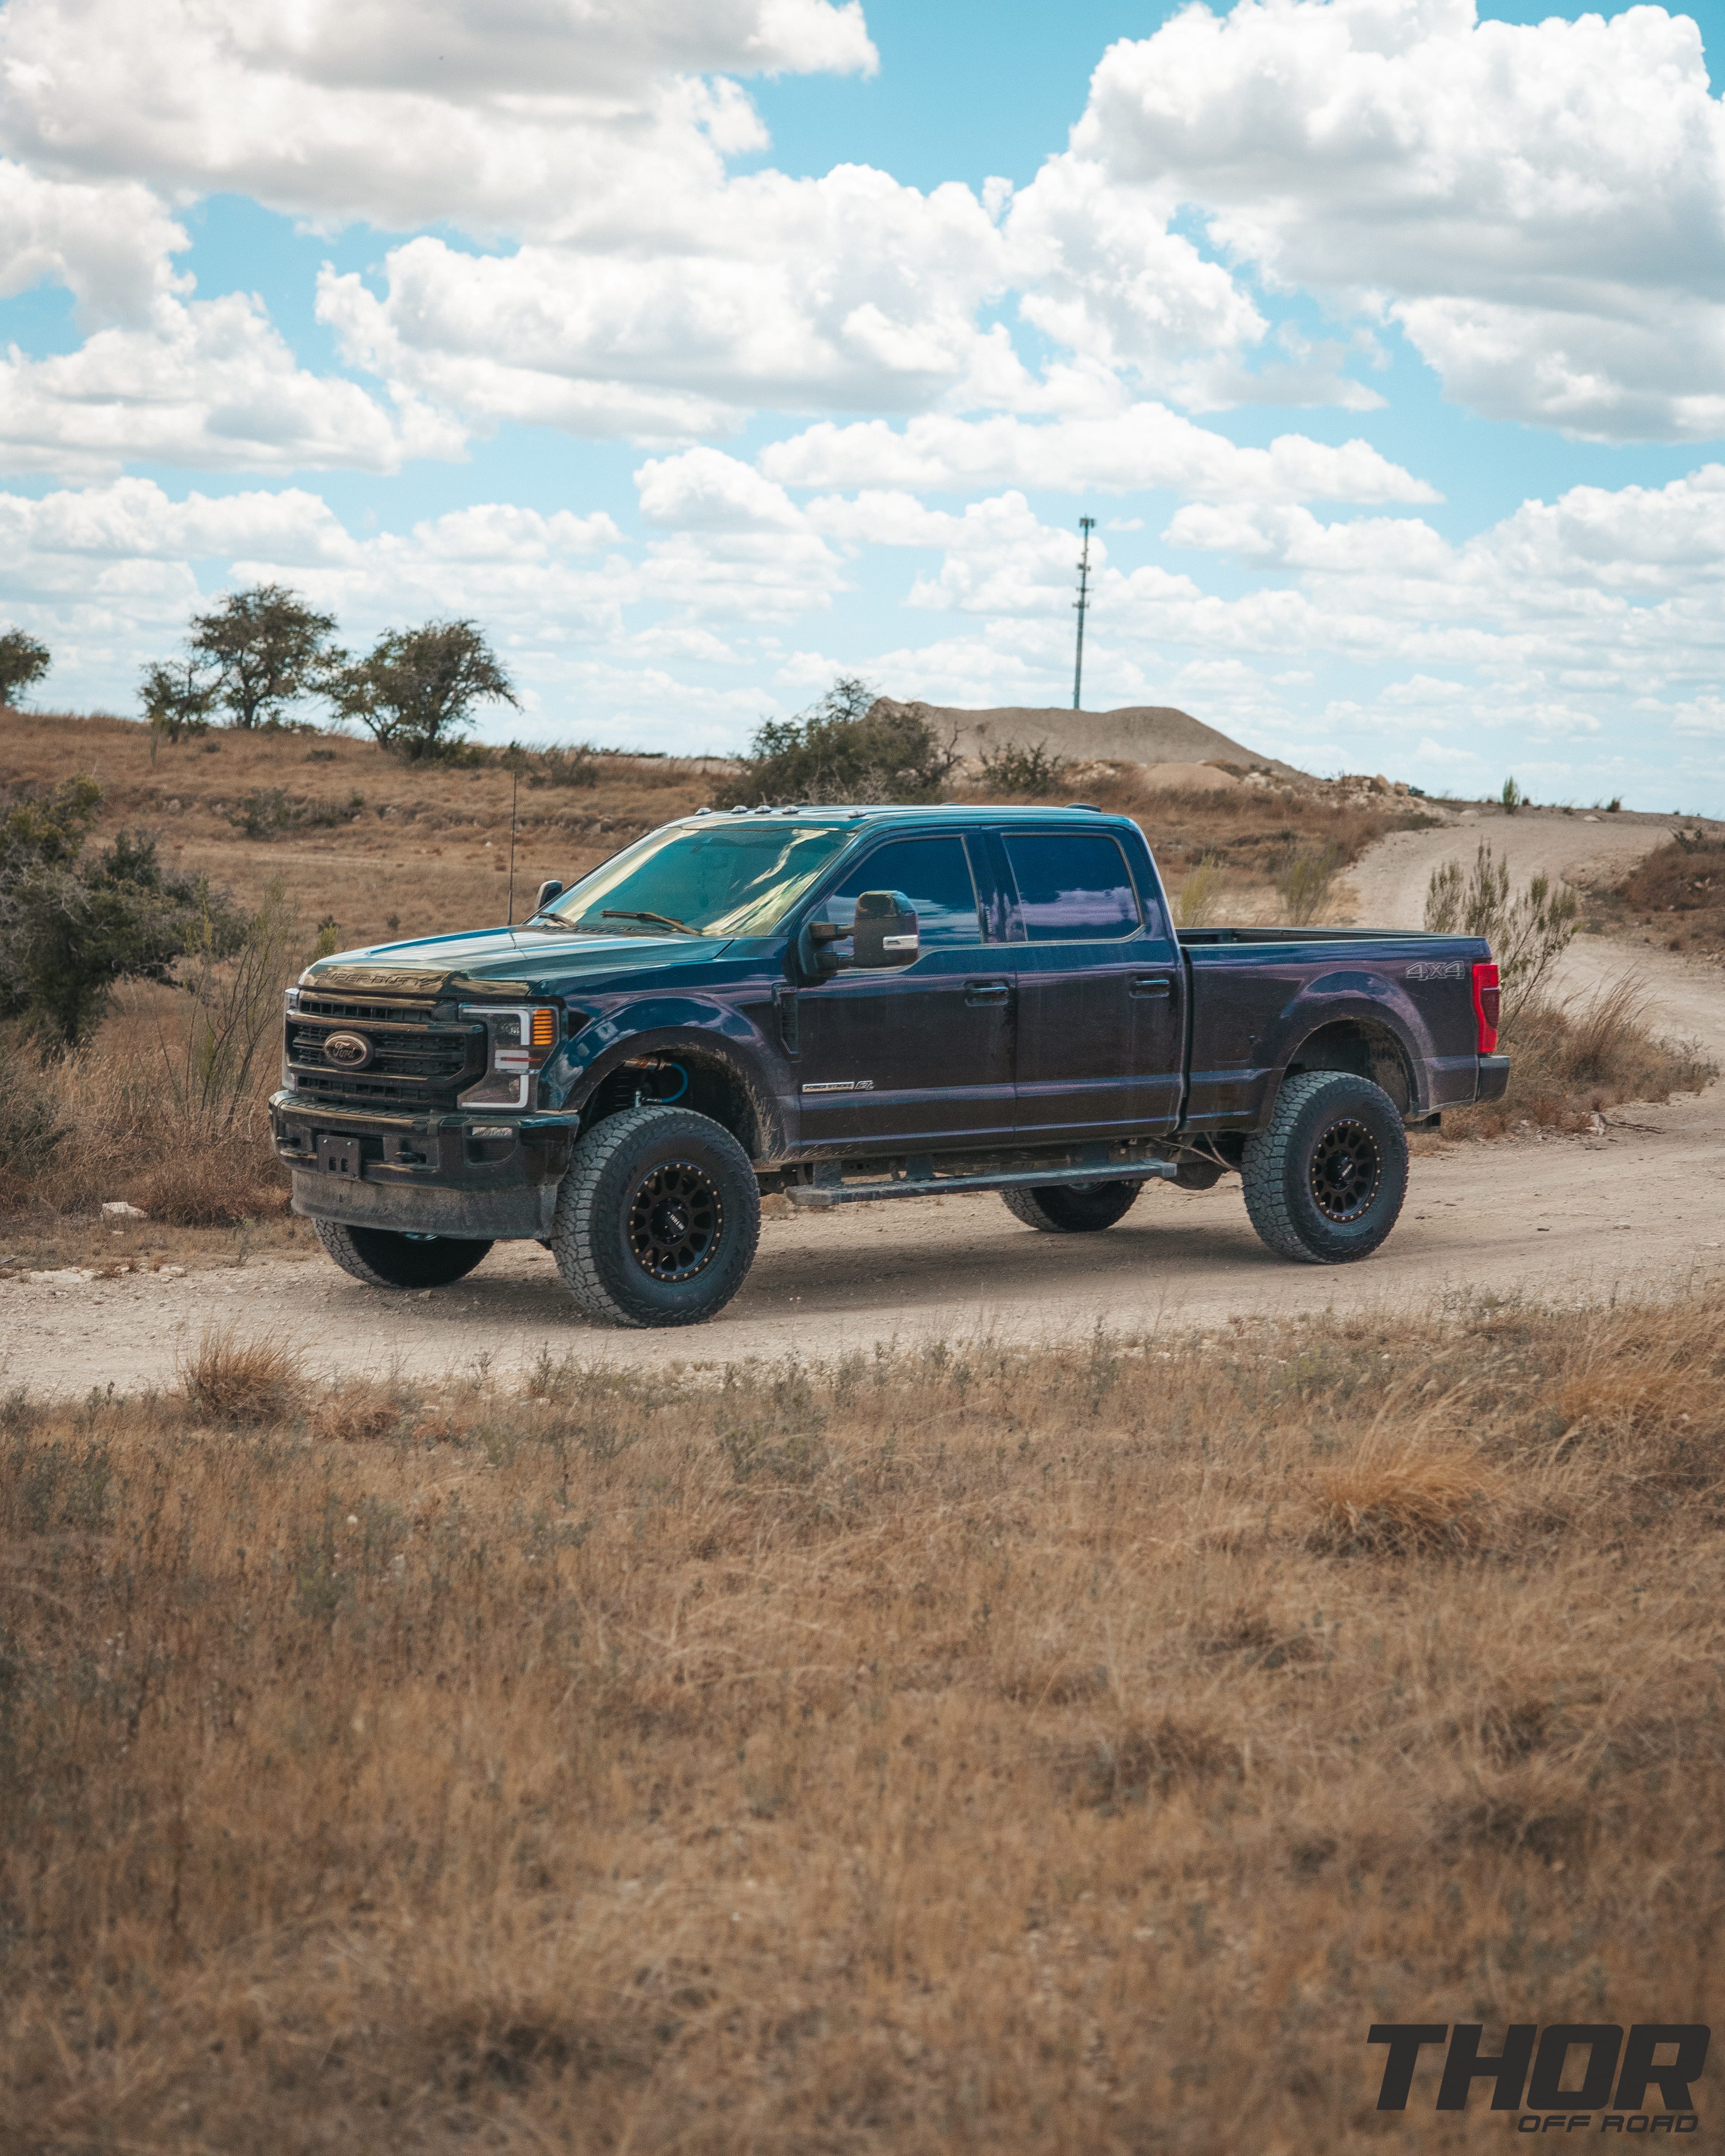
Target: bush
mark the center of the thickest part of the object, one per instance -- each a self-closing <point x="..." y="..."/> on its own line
<point x="1016" y="770"/>
<point x="1303" y="882"/>
<point x="1199" y="895"/>
<point x="228" y="1379"/>
<point x="30" y="1125"/>
<point x="267" y="811"/>
<point x="1569" y="1062"/>
<point x="851" y="746"/>
<point x="1527" y="934"/>
<point x="70" y="929"/>
<point x="23" y="663"/>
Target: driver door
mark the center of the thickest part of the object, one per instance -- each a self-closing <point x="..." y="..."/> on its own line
<point x="919" y="1056"/>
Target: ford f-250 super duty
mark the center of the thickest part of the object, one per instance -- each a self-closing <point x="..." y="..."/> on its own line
<point x="843" y="1004"/>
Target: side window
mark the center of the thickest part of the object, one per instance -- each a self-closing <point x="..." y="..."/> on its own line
<point x="1074" y="886"/>
<point x="932" y="873"/>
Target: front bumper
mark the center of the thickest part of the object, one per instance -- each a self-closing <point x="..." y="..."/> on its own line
<point x="1494" y="1078"/>
<point x="425" y="1175"/>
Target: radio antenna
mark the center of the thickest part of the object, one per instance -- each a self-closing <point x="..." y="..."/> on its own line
<point x="515" y="793"/>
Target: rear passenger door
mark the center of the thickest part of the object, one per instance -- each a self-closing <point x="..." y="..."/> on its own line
<point x="915" y="1056"/>
<point x="1099" y="1000"/>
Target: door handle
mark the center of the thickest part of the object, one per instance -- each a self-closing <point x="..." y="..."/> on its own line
<point x="1151" y="984"/>
<point x="977" y="993"/>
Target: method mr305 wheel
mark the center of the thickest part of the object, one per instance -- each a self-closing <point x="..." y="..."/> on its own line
<point x="1072" y="1209"/>
<point x="382" y="1258"/>
<point x="657" y="1220"/>
<point x="1326" y="1178"/>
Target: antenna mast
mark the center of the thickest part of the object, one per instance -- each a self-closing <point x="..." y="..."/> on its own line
<point x="1087" y="525"/>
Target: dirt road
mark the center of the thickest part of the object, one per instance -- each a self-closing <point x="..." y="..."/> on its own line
<point x="1554" y="1216"/>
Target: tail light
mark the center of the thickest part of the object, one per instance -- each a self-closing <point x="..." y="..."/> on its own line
<point x="517" y="1041"/>
<point x="1488" y="1005"/>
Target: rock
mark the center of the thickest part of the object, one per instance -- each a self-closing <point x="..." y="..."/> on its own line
<point x="116" y="1209"/>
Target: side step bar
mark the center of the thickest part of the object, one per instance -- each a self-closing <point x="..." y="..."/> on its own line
<point x="820" y="1197"/>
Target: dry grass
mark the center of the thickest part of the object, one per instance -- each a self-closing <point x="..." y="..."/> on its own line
<point x="1677" y="895"/>
<point x="1074" y="1751"/>
<point x="228" y="1379"/>
<point x="1569" y="1063"/>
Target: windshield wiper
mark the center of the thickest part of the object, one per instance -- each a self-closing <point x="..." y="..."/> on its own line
<point x="660" y="919"/>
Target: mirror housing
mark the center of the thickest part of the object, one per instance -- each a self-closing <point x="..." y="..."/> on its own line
<point x="885" y="933"/>
<point x="816" y="959"/>
<point x="552" y="887"/>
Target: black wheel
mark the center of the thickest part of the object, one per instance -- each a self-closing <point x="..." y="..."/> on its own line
<point x="657" y="1218"/>
<point x="1072" y="1209"/>
<point x="1324" y="1180"/>
<point x="382" y="1258"/>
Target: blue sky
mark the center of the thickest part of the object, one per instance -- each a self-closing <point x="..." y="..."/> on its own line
<point x="707" y="350"/>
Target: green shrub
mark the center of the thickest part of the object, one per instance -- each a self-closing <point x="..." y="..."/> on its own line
<point x="850" y="746"/>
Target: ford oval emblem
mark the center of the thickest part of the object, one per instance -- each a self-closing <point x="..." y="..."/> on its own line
<point x="347" y="1051"/>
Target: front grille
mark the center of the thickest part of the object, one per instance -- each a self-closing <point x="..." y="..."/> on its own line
<point x="415" y="1063"/>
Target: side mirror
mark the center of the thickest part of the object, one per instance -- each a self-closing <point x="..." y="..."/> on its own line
<point x="552" y="887"/>
<point x="816" y="959"/>
<point x="885" y="933"/>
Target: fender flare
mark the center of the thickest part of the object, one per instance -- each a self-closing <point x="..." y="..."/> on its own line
<point x="1371" y="1003"/>
<point x="677" y="1026"/>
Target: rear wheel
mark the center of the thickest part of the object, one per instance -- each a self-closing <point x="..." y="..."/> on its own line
<point x="382" y="1258"/>
<point x="1072" y="1209"/>
<point x="1324" y="1180"/>
<point x="657" y="1218"/>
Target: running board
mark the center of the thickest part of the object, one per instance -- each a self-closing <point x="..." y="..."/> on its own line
<point x="820" y="1197"/>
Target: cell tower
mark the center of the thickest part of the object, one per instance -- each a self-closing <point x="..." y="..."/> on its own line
<point x="1087" y="525"/>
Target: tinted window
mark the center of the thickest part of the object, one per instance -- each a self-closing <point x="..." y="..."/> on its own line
<point x="720" y="878"/>
<point x="932" y="873"/>
<point x="1073" y="886"/>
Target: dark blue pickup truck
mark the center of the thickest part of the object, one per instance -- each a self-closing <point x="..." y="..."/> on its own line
<point x="848" y="1004"/>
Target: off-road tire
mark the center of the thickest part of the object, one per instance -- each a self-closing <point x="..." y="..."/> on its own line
<point x="630" y="1176"/>
<point x="1068" y="1208"/>
<point x="1326" y="1178"/>
<point x="382" y="1258"/>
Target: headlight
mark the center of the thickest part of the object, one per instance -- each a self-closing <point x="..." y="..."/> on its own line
<point x="517" y="1041"/>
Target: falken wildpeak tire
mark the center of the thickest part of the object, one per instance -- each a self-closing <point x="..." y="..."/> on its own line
<point x="657" y="1220"/>
<point x="1064" y="1209"/>
<point x="382" y="1258"/>
<point x="1326" y="1178"/>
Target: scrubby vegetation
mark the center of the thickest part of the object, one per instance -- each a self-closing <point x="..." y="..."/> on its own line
<point x="842" y="749"/>
<point x="975" y="1750"/>
<point x="1678" y="892"/>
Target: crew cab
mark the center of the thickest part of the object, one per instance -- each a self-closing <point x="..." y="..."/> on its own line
<point x="849" y="1005"/>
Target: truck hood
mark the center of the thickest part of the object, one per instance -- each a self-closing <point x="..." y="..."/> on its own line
<point x="506" y="961"/>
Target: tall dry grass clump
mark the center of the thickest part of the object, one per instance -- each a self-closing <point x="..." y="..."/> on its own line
<point x="1076" y="1750"/>
<point x="230" y="1378"/>
<point x="1570" y="1060"/>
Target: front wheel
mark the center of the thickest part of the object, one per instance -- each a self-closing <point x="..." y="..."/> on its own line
<point x="382" y="1258"/>
<point x="1072" y="1209"/>
<point x="1326" y="1178"/>
<point x="657" y="1220"/>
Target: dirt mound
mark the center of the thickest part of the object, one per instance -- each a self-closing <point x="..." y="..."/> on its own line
<point x="1136" y="733"/>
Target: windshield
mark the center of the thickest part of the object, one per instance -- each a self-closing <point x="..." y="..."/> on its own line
<point x="724" y="879"/>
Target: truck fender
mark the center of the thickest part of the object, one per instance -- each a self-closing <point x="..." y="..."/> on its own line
<point x="679" y="1028"/>
<point x="1338" y="1010"/>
